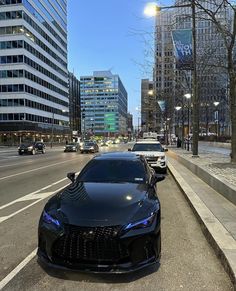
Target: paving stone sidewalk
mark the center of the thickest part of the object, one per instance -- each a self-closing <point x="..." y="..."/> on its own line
<point x="214" y="163"/>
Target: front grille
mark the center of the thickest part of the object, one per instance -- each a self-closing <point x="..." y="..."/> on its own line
<point x="91" y="245"/>
<point x="151" y="159"/>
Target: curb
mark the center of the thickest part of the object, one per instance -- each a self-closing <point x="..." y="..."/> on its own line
<point x="226" y="190"/>
<point x="221" y="241"/>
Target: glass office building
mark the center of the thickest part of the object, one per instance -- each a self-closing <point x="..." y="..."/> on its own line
<point x="33" y="70"/>
<point x="103" y="104"/>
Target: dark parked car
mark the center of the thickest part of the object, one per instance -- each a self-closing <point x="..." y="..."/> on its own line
<point x="32" y="148"/>
<point x="106" y="220"/>
<point x="72" y="147"/>
<point x="89" y="147"/>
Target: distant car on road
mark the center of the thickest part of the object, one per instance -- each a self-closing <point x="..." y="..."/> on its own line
<point x="89" y="146"/>
<point x="32" y="148"/>
<point x="107" y="220"/>
<point x="153" y="152"/>
<point x="72" y="147"/>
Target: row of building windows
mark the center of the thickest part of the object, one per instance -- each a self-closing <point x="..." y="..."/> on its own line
<point x="31" y="104"/>
<point x="30" y="117"/>
<point x="32" y="10"/>
<point x="12" y="102"/>
<point x="41" y="19"/>
<point x="38" y="16"/>
<point x="21" y="29"/>
<point x="10" y="15"/>
<point x="9" y="2"/>
<point x="25" y="88"/>
<point x="40" y="56"/>
<point x="15" y="59"/>
<point x="44" y="83"/>
<point x="43" y="33"/>
<point x="62" y="22"/>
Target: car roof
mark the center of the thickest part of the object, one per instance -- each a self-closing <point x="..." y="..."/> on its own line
<point x="148" y="141"/>
<point x="117" y="156"/>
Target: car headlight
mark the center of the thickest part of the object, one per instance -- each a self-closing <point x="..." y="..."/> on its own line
<point x="73" y="148"/>
<point x="30" y="148"/>
<point x="161" y="158"/>
<point x="142" y="223"/>
<point x="49" y="219"/>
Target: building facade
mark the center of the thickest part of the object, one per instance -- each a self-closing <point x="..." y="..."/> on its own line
<point x="103" y="103"/>
<point x="148" y="106"/>
<point x="74" y="104"/>
<point x="34" y="100"/>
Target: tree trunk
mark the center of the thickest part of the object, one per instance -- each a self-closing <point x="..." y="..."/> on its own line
<point x="233" y="116"/>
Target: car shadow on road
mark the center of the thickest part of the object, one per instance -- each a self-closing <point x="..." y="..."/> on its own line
<point x="101" y="278"/>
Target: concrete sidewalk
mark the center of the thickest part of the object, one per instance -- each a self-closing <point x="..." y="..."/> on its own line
<point x="209" y="185"/>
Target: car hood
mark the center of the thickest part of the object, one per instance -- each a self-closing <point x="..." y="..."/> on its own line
<point x="150" y="153"/>
<point x="102" y="204"/>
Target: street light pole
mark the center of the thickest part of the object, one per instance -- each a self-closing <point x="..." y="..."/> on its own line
<point x="195" y="121"/>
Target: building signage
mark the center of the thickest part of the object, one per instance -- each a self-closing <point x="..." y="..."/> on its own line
<point x="162" y="105"/>
<point x="183" y="49"/>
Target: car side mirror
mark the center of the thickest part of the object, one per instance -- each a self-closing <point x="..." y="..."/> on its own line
<point x="157" y="178"/>
<point x="166" y="150"/>
<point x="71" y="176"/>
<point x="129" y="150"/>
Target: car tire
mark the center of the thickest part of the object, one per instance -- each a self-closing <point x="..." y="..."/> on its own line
<point x="20" y="154"/>
<point x="82" y="152"/>
<point x="33" y="152"/>
<point x="43" y="151"/>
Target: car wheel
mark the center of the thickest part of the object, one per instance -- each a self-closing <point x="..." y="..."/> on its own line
<point x="20" y="154"/>
<point x="33" y="152"/>
<point x="164" y="171"/>
<point x="82" y="152"/>
<point x="43" y="151"/>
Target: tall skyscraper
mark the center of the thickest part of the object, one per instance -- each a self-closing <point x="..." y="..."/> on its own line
<point x="74" y="100"/>
<point x="104" y="103"/>
<point x="33" y="70"/>
<point x="148" y="106"/>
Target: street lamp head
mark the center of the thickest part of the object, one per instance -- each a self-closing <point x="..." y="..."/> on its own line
<point x="188" y="95"/>
<point x="178" y="108"/>
<point x="216" y="103"/>
<point x="151" y="9"/>
<point x="150" y="92"/>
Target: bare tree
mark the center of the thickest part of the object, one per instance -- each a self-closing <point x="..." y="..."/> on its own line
<point x="222" y="13"/>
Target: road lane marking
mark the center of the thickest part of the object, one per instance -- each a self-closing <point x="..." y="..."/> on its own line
<point x="38" y="197"/>
<point x="33" y="170"/>
<point x="2" y="219"/>
<point x="17" y="269"/>
<point x="30" y="195"/>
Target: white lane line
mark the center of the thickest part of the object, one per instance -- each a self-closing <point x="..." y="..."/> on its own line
<point x="33" y="170"/>
<point x="17" y="269"/>
<point x="40" y="197"/>
<point x="30" y="196"/>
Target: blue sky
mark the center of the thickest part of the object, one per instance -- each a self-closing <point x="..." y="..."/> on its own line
<point x="115" y="35"/>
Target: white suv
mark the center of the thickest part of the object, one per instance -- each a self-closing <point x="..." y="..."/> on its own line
<point x="154" y="153"/>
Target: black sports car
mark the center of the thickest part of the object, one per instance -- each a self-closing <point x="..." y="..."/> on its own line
<point x="107" y="220"/>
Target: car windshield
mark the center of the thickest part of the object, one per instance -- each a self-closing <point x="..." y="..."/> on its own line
<point x="155" y="147"/>
<point x="72" y="144"/>
<point x="90" y="143"/>
<point x="113" y="171"/>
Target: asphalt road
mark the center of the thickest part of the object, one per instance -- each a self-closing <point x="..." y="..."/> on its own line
<point x="26" y="182"/>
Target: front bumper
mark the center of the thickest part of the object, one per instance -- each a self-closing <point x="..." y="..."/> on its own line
<point x="123" y="254"/>
<point x="96" y="269"/>
<point x="70" y="150"/>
